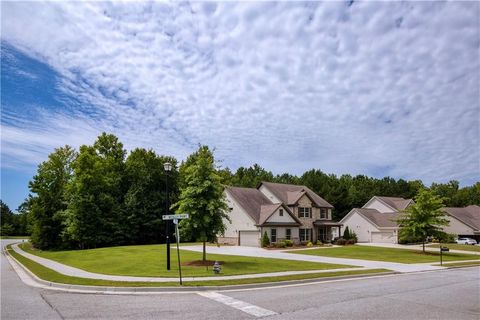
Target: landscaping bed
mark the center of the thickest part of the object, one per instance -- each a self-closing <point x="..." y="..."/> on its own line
<point x="385" y="254"/>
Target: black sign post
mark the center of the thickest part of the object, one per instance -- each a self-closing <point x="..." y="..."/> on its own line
<point x="442" y="249"/>
<point x="175" y="218"/>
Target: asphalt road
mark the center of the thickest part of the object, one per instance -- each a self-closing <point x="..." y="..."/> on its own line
<point x="447" y="294"/>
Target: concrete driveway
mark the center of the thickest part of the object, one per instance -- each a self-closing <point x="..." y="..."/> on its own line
<point x="264" y="253"/>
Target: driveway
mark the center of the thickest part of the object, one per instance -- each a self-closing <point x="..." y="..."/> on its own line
<point x="263" y="253"/>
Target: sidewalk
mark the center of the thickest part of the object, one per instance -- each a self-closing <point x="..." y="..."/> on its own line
<point x="75" y="272"/>
<point x="263" y="253"/>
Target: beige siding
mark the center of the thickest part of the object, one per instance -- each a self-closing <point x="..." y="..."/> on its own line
<point x="240" y="220"/>
<point x="268" y="194"/>
<point x="281" y="233"/>
<point x="361" y="226"/>
<point x="275" y="217"/>
<point x="376" y="204"/>
<point x="456" y="227"/>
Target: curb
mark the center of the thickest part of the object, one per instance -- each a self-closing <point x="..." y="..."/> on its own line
<point x="48" y="285"/>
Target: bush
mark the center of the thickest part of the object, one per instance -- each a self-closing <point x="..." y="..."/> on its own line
<point x="310" y="244"/>
<point x="281" y="244"/>
<point x="346" y="234"/>
<point x="265" y="240"/>
<point x="319" y="243"/>
<point x="405" y="239"/>
<point x="341" y="242"/>
<point x="353" y="237"/>
<point x="350" y="241"/>
<point x="288" y="243"/>
<point x="446" y="238"/>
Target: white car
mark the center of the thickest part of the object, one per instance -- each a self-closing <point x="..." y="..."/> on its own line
<point x="466" y="241"/>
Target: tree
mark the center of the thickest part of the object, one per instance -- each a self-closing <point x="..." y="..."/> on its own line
<point x="49" y="199"/>
<point x="424" y="218"/>
<point x="145" y="198"/>
<point x="201" y="196"/>
<point x="265" y="240"/>
<point x="95" y="213"/>
<point x="6" y="219"/>
<point x="346" y="234"/>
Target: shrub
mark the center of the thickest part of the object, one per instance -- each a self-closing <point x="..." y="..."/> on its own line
<point x="346" y="234"/>
<point x="340" y="242"/>
<point x="353" y="237"/>
<point x="265" y="240"/>
<point x="281" y="244"/>
<point x="405" y="239"/>
<point x="446" y="238"/>
<point x="319" y="243"/>
<point x="288" y="243"/>
<point x="350" y="241"/>
<point x="309" y="244"/>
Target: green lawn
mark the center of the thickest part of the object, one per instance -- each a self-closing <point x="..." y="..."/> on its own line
<point x="53" y="276"/>
<point x="14" y="237"/>
<point x="385" y="254"/>
<point x="150" y="261"/>
<point x="454" y="246"/>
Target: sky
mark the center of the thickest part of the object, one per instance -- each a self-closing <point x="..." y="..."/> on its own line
<point x="374" y="88"/>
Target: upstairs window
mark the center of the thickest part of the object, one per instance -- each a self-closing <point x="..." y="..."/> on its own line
<point x="281" y="213"/>
<point x="323" y="213"/>
<point x="304" y="212"/>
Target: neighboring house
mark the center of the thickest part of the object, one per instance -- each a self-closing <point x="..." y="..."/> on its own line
<point x="284" y="211"/>
<point x="464" y="222"/>
<point x="376" y="220"/>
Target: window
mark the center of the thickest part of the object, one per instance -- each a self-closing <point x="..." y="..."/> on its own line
<point x="288" y="234"/>
<point x="323" y="213"/>
<point x="273" y="235"/>
<point x="304" y="212"/>
<point x="281" y="212"/>
<point x="305" y="235"/>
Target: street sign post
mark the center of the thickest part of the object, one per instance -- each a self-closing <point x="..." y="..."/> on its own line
<point x="175" y="218"/>
<point x="442" y="250"/>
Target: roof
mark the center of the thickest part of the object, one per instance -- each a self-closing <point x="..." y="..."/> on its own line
<point x="396" y="203"/>
<point x="327" y="223"/>
<point x="380" y="219"/>
<point x="291" y="193"/>
<point x="256" y="204"/>
<point x="469" y="215"/>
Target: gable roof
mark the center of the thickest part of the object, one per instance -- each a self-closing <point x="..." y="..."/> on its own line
<point x="291" y="193"/>
<point x="395" y="203"/>
<point x="379" y="219"/>
<point x="469" y="215"/>
<point x="256" y="204"/>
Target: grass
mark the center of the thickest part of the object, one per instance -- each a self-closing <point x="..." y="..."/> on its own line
<point x="150" y="261"/>
<point x="455" y="246"/>
<point x="14" y="237"/>
<point x="460" y="264"/>
<point x="53" y="276"/>
<point x="386" y="254"/>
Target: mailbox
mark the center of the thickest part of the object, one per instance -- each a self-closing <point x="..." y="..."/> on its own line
<point x="444" y="249"/>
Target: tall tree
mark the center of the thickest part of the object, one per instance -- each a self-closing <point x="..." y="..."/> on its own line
<point x="7" y="227"/>
<point x="49" y="200"/>
<point x="201" y="196"/>
<point x="95" y="214"/>
<point x="424" y="218"/>
<point x="145" y="197"/>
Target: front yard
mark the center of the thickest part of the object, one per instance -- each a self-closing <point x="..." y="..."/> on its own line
<point x="385" y="254"/>
<point x="150" y="261"/>
<point x="454" y="246"/>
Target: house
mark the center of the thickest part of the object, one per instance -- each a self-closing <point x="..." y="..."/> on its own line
<point x="464" y="222"/>
<point x="376" y="220"/>
<point x="283" y="211"/>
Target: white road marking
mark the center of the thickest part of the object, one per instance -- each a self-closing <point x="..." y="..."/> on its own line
<point x="238" y="304"/>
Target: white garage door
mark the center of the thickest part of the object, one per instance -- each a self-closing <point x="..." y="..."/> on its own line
<point x="384" y="237"/>
<point x="250" y="238"/>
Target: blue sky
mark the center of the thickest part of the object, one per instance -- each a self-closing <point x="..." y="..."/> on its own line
<point x="376" y="88"/>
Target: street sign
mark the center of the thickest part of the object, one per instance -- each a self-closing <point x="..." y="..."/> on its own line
<point x="175" y="216"/>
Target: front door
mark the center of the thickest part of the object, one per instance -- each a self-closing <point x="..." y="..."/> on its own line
<point x="322" y="234"/>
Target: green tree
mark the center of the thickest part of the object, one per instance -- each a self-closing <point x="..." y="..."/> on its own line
<point x="346" y="234"/>
<point x="423" y="219"/>
<point x="251" y="177"/>
<point x="49" y="200"/>
<point x="145" y="199"/>
<point x="265" y="240"/>
<point x="95" y="213"/>
<point x="6" y="219"/>
<point x="201" y="196"/>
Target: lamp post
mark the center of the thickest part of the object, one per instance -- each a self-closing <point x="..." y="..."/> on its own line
<point x="168" y="167"/>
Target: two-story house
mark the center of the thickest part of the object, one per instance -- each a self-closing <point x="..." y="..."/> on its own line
<point x="283" y="211"/>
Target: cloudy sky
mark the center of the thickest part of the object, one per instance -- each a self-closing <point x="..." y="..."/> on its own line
<point x="376" y="88"/>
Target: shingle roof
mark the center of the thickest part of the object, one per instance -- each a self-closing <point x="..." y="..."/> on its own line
<point x="250" y="199"/>
<point x="397" y="203"/>
<point x="469" y="215"/>
<point x="381" y="220"/>
<point x="256" y="204"/>
<point x="290" y="193"/>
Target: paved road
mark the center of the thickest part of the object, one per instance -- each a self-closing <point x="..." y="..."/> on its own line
<point x="445" y="294"/>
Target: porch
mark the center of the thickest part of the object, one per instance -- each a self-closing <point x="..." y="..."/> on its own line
<point x="327" y="230"/>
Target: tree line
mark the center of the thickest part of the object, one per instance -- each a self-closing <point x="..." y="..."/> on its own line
<point x="100" y="196"/>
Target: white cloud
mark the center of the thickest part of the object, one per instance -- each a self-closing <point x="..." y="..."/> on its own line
<point x="288" y="85"/>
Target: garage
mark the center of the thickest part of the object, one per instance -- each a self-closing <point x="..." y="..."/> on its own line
<point x="249" y="238"/>
<point x="384" y="237"/>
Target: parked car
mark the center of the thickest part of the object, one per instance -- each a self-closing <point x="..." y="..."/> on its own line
<point x="466" y="241"/>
